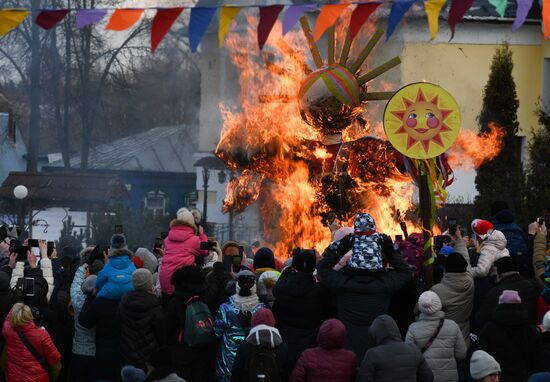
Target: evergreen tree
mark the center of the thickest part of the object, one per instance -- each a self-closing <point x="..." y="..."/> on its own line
<point x="502" y="177"/>
<point x="538" y="169"/>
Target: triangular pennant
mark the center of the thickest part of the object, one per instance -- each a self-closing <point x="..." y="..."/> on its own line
<point x="546" y="18"/>
<point x="123" y="19"/>
<point x="10" y="19"/>
<point x="398" y="10"/>
<point x="457" y="12"/>
<point x="87" y="17"/>
<point x="327" y="17"/>
<point x="48" y="19"/>
<point x="523" y="7"/>
<point x="500" y="6"/>
<point x="162" y="22"/>
<point x="226" y="17"/>
<point x="359" y="16"/>
<point x="268" y="16"/>
<point x="293" y="14"/>
<point x="433" y="9"/>
<point x="198" y="24"/>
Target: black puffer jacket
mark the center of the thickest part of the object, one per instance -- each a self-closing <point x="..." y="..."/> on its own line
<point x="545" y="351"/>
<point x="513" y="341"/>
<point x="143" y="331"/>
<point x="299" y="310"/>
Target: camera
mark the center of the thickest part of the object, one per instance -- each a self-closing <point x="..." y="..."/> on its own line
<point x="24" y="287"/>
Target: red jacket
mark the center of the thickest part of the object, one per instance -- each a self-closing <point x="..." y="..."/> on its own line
<point x="21" y="364"/>
<point x="328" y="361"/>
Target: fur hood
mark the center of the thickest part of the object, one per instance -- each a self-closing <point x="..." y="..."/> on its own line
<point x="181" y="223"/>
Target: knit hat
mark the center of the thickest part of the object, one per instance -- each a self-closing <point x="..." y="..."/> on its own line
<point x="263" y="317"/>
<point x="246" y="283"/>
<point x="142" y="279"/>
<point x="185" y="216"/>
<point x="546" y="322"/>
<point x="429" y="302"/>
<point x="150" y="261"/>
<point x="455" y="263"/>
<point x="543" y="376"/>
<point x="118" y="241"/>
<point x="269" y="278"/>
<point x="132" y="374"/>
<point x="4" y="281"/>
<point x="482" y="228"/>
<point x="446" y="250"/>
<point x="264" y="258"/>
<point x="303" y="261"/>
<point x="366" y="251"/>
<point x="89" y="284"/>
<point x="482" y="365"/>
<point x="506" y="264"/>
<point x="509" y="297"/>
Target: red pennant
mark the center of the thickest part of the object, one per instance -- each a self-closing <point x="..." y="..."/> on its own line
<point x="49" y="19"/>
<point x="162" y="22"/>
<point x="268" y="16"/>
<point x="457" y="12"/>
<point x="359" y="16"/>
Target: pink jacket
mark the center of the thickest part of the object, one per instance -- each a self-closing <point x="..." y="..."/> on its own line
<point x="180" y="248"/>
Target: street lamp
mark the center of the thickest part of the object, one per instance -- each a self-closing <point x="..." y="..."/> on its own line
<point x="21" y="192"/>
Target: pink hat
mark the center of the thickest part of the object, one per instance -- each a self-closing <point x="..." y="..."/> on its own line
<point x="509" y="297"/>
<point x="263" y="317"/>
<point x="482" y="228"/>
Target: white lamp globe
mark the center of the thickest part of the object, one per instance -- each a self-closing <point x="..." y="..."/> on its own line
<point x="20" y="192"/>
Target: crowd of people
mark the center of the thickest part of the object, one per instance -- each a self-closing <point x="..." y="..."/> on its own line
<point x="363" y="310"/>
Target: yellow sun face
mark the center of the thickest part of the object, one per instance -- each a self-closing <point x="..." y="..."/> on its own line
<point x="422" y="120"/>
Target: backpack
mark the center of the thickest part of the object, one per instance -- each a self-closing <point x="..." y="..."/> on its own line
<point x="199" y="324"/>
<point x="263" y="365"/>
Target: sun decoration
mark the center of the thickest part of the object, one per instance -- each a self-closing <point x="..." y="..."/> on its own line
<point x="422" y="120"/>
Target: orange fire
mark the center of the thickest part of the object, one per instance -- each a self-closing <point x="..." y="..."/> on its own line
<point x="471" y="150"/>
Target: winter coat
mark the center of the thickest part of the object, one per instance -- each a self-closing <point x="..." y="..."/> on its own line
<point x="22" y="366"/>
<point x="84" y="338"/>
<point x="180" y="248"/>
<point x="216" y="282"/>
<point x="327" y="362"/>
<point x="543" y="306"/>
<point x="515" y="240"/>
<point x="526" y="289"/>
<point x="392" y="360"/>
<point x="456" y="292"/>
<point x="360" y="298"/>
<point x="261" y="335"/>
<point x="539" y="258"/>
<point x="491" y="249"/>
<point x="115" y="279"/>
<point x="545" y="360"/>
<point x="44" y="270"/>
<point x="229" y="328"/>
<point x="447" y="347"/>
<point x="143" y="328"/>
<point x="8" y="298"/>
<point x="299" y="310"/>
<point x="403" y="302"/>
<point x="513" y="342"/>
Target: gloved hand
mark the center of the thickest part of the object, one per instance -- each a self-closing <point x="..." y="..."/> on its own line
<point x="387" y="246"/>
<point x="345" y="245"/>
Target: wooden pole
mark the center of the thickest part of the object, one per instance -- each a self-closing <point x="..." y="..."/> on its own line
<point x="366" y="51"/>
<point x="311" y="42"/>
<point x="345" y="50"/>
<point x="426" y="215"/>
<point x="376" y="96"/>
<point x="380" y="70"/>
<point x="330" y="47"/>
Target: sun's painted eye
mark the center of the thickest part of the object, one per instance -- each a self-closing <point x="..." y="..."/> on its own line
<point x="430" y="115"/>
<point x="411" y="120"/>
<point x="412" y="116"/>
<point x="431" y="120"/>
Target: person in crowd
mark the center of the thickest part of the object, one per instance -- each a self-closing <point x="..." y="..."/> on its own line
<point x="545" y="338"/>
<point x="115" y="279"/>
<point x="149" y="260"/>
<point x="540" y="264"/>
<point x="180" y="248"/>
<point x="337" y="236"/>
<point x="266" y="282"/>
<point x="390" y="359"/>
<point x="492" y="248"/>
<point x="299" y="304"/>
<point x="503" y="220"/>
<point x="263" y="352"/>
<point x="329" y="361"/>
<point x="264" y="261"/>
<point x="438" y="339"/>
<point x="233" y="322"/>
<point x="484" y="368"/>
<point x="193" y="363"/>
<point x="509" y="279"/>
<point x="512" y="339"/>
<point x="30" y="353"/>
<point x="540" y="377"/>
<point x="364" y="288"/>
<point x="142" y="321"/>
<point x="216" y="283"/>
<point x="8" y="296"/>
<point x="456" y="289"/>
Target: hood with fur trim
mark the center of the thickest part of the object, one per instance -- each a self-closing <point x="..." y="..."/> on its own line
<point x="264" y="335"/>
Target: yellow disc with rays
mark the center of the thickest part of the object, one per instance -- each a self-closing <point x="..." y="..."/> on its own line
<point x="422" y="120"/>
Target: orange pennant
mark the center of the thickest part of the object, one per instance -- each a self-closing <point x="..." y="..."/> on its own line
<point x="546" y="17"/>
<point x="327" y="17"/>
<point x="123" y="19"/>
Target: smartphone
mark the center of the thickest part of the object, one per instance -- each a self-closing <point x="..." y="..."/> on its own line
<point x="163" y="235"/>
<point x="119" y="229"/>
<point x="158" y="243"/>
<point x="51" y="246"/>
<point x="540" y="221"/>
<point x="452" y="223"/>
<point x="28" y="286"/>
<point x="33" y="243"/>
<point x="21" y="251"/>
<point x="207" y="245"/>
<point x="227" y="263"/>
<point x="398" y="237"/>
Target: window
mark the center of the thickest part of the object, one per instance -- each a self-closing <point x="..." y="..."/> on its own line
<point x="156" y="202"/>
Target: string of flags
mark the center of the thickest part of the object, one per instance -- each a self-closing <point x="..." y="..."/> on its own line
<point x="122" y="19"/>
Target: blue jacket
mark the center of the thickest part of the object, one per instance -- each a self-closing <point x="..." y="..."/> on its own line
<point x="115" y="279"/>
<point x="504" y="222"/>
<point x="84" y="339"/>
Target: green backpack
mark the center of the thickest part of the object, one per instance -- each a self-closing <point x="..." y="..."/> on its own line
<point x="199" y="324"/>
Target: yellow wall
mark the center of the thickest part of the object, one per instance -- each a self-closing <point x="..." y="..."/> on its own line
<point x="463" y="69"/>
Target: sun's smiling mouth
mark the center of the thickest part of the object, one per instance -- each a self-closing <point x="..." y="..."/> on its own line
<point x="421" y="131"/>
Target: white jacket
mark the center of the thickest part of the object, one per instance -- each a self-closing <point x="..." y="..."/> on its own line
<point x="492" y="249"/>
<point x="47" y="273"/>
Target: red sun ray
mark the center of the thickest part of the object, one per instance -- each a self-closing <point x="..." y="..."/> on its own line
<point x="399" y="114"/>
<point x="445" y="113"/>
<point x="420" y="96"/>
<point x="410" y="142"/>
<point x="434" y="100"/>
<point x="437" y="139"/>
<point x="445" y="128"/>
<point x="407" y="102"/>
<point x="401" y="130"/>
<point x="426" y="145"/>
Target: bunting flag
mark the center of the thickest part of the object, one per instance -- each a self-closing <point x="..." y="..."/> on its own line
<point x="293" y="14"/>
<point x="48" y="19"/>
<point x="162" y="22"/>
<point x="457" y="12"/>
<point x="500" y="6"/>
<point x="360" y="16"/>
<point x="87" y="17"/>
<point x="123" y="19"/>
<point x="546" y="18"/>
<point x="433" y="9"/>
<point x="327" y="17"/>
<point x="268" y="16"/>
<point x="523" y="7"/>
<point x="10" y="19"/>
<point x="198" y="24"/>
<point x="226" y="17"/>
<point x="398" y="10"/>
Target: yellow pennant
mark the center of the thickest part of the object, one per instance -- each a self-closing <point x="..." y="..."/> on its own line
<point x="10" y="19"/>
<point x="226" y="17"/>
<point x="433" y="8"/>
